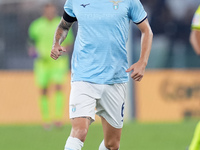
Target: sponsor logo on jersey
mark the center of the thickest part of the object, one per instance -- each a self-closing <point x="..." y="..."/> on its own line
<point x="84" y="5"/>
<point x="116" y="4"/>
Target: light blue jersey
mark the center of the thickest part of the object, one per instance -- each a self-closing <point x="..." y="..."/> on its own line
<point x="100" y="54"/>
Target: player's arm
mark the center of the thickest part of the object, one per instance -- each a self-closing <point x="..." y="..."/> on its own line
<point x="32" y="32"/>
<point x="68" y="43"/>
<point x="195" y="40"/>
<point x="146" y="41"/>
<point x="60" y="35"/>
<point x="31" y="49"/>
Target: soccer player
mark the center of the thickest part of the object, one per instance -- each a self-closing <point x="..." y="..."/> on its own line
<point x="99" y="64"/>
<point x="195" y="41"/>
<point x="47" y="71"/>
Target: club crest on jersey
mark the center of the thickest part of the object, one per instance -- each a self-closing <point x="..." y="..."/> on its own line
<point x="116" y="4"/>
<point x="73" y="108"/>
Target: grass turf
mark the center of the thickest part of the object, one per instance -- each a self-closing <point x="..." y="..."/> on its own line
<point x="135" y="136"/>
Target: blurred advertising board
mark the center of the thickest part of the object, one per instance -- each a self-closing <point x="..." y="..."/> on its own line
<point x="19" y="98"/>
<point x="168" y="95"/>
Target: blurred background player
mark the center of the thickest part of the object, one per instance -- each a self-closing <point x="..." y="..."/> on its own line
<point x="41" y="32"/>
<point x="195" y="41"/>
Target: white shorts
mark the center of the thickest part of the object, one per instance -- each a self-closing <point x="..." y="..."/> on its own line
<point x="107" y="99"/>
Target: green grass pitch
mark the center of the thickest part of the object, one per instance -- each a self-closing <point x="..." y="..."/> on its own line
<point x="135" y="136"/>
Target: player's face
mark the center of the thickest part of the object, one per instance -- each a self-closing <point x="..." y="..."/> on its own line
<point x="50" y="12"/>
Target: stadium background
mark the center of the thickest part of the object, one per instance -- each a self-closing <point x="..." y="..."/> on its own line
<point x="161" y="111"/>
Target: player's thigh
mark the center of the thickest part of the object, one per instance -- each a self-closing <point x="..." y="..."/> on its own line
<point x="82" y="101"/>
<point x="42" y="74"/>
<point x="82" y="108"/>
<point x="112" y="103"/>
<point x="59" y="71"/>
<point x="58" y="77"/>
<point x="111" y="135"/>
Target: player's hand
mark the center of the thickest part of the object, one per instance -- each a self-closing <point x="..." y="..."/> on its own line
<point x="138" y="70"/>
<point x="57" y="51"/>
<point x="32" y="52"/>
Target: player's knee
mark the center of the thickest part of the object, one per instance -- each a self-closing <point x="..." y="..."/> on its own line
<point x="80" y="133"/>
<point x="112" y="145"/>
<point x="80" y="128"/>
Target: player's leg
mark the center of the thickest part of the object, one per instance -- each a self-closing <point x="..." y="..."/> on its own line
<point x="82" y="113"/>
<point x="41" y="75"/>
<point x="44" y="106"/>
<point x="111" y="136"/>
<point x="195" y="144"/>
<point x="58" y="75"/>
<point x="59" y="104"/>
<point x="111" y="110"/>
<point x="78" y="133"/>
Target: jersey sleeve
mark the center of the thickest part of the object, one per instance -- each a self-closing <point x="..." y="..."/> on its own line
<point x="68" y="7"/>
<point x="136" y="12"/>
<point x="196" y="20"/>
<point x="32" y="31"/>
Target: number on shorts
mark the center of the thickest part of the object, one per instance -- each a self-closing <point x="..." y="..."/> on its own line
<point x="122" y="111"/>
